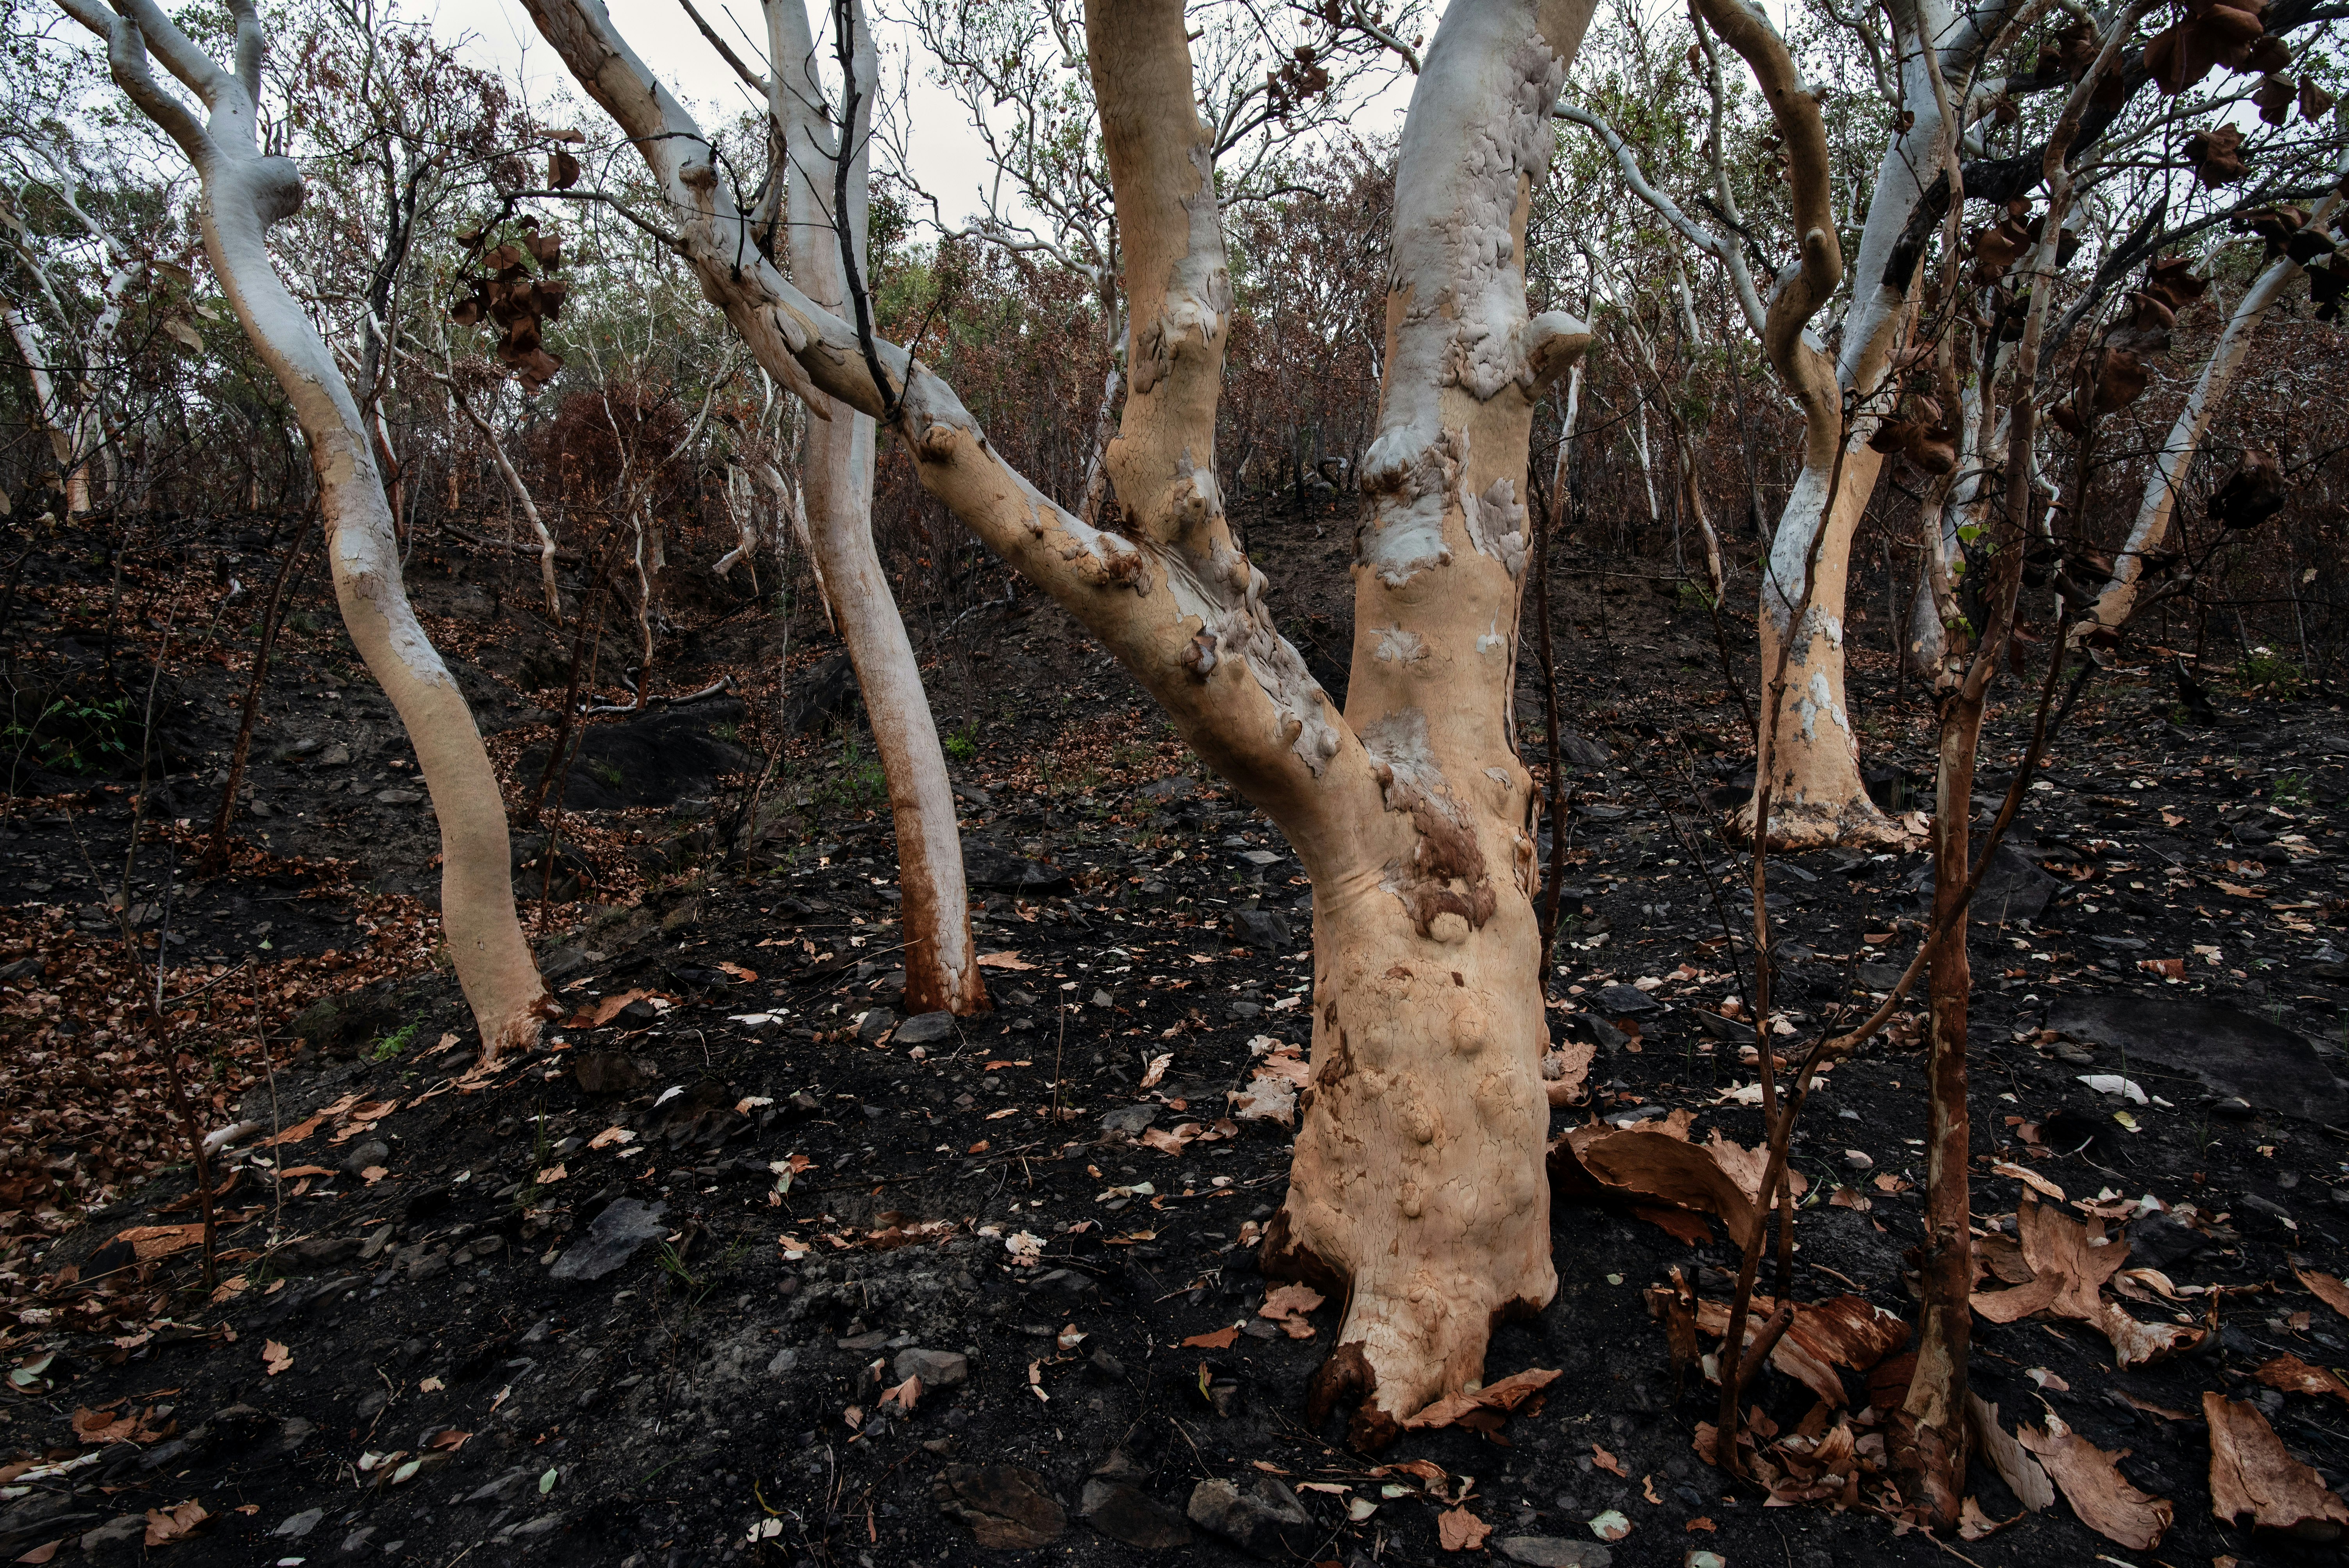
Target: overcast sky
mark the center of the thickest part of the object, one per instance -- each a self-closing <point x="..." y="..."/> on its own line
<point x="947" y="158"/>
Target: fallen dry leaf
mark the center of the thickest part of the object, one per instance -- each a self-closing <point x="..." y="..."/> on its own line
<point x="1607" y="1461"/>
<point x="98" y="1427"/>
<point x="1221" y="1339"/>
<point x="152" y="1242"/>
<point x="275" y="1357"/>
<point x="1157" y="1072"/>
<point x="2095" y="1487"/>
<point x="2067" y="1278"/>
<point x="2013" y="1464"/>
<point x="1288" y="1306"/>
<point x="738" y="972"/>
<point x="905" y="1396"/>
<point x="1457" y="1530"/>
<point x="1003" y="961"/>
<point x="2251" y="1473"/>
<point x="40" y="1555"/>
<point x="1846" y="1330"/>
<point x="2293" y="1376"/>
<point x="1655" y="1161"/>
<point x="168" y="1527"/>
<point x="2031" y="1179"/>
<point x="2326" y="1289"/>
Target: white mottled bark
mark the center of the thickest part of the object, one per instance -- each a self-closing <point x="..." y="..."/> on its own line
<point x="244" y="192"/>
<point x="73" y="474"/>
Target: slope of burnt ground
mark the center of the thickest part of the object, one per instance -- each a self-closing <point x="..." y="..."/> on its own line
<point x="659" y="1294"/>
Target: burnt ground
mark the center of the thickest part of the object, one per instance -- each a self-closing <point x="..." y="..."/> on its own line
<point x="801" y="1206"/>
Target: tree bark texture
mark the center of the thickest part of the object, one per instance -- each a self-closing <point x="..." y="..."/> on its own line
<point x="941" y="961"/>
<point x="1419" y="1178"/>
<point x="244" y="192"/>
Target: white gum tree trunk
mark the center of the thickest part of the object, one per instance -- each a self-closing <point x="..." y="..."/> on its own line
<point x="1418" y="1183"/>
<point x="73" y="472"/>
<point x="941" y="961"/>
<point x="2150" y="530"/>
<point x="1818" y="797"/>
<point x="244" y="192"/>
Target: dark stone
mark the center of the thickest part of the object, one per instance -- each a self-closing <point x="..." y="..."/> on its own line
<point x="986" y="866"/>
<point x="1601" y="1033"/>
<point x="1580" y="750"/>
<point x="925" y="1028"/>
<point x="876" y="1022"/>
<point x="2162" y="1243"/>
<point x="1626" y="1001"/>
<point x="560" y="963"/>
<point x="1005" y="1507"/>
<point x="624" y="1225"/>
<point x="1553" y="1551"/>
<point x="2013" y="888"/>
<point x="609" y="1072"/>
<point x="1130" y="1119"/>
<point x="1876" y="977"/>
<point x="825" y="693"/>
<point x="1262" y="930"/>
<point x="2234" y="1053"/>
<point x="22" y="969"/>
<point x="1888" y="786"/>
<point x="1127" y="1515"/>
<point x="655" y="759"/>
<point x="1265" y="1520"/>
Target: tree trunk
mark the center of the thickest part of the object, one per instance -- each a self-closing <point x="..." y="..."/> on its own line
<point x="73" y="475"/>
<point x="1418" y="1183"/>
<point x="244" y="192"/>
<point x="2150" y="531"/>
<point x="941" y="961"/>
<point x="1417" y="1178"/>
<point x="521" y="493"/>
<point x="1817" y="797"/>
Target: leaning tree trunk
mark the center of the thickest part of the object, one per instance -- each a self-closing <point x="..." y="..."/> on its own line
<point x="941" y="961"/>
<point x="2150" y="531"/>
<point x="244" y="192"/>
<point x="1418" y="1178"/>
<point x="73" y="473"/>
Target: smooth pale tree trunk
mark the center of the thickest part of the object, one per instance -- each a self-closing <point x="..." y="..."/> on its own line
<point x="73" y="474"/>
<point x="2150" y="530"/>
<point x="1416" y="1180"/>
<point x="244" y="192"/>
<point x="941" y="961"/>
<point x="1818" y="795"/>
<point x="1418" y="1183"/>
<point x="741" y="506"/>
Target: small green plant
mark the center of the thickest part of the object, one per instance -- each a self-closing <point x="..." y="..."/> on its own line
<point x="608" y="772"/>
<point x="962" y="746"/>
<point x="392" y="1044"/>
<point x="729" y="732"/>
<point x="2290" y="790"/>
<point x="71" y="735"/>
<point x="1692" y="597"/>
<point x="2262" y="669"/>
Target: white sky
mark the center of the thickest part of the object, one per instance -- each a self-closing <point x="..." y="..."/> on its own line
<point x="947" y="158"/>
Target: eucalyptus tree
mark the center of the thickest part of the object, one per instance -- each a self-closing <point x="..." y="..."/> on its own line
<point x="249" y="187"/>
<point x="1418" y="1182"/>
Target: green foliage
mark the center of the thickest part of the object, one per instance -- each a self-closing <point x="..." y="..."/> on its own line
<point x="72" y="735"/>
<point x="392" y="1044"/>
<point x="2264" y="670"/>
<point x="962" y="746"/>
<point x="2291" y="790"/>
